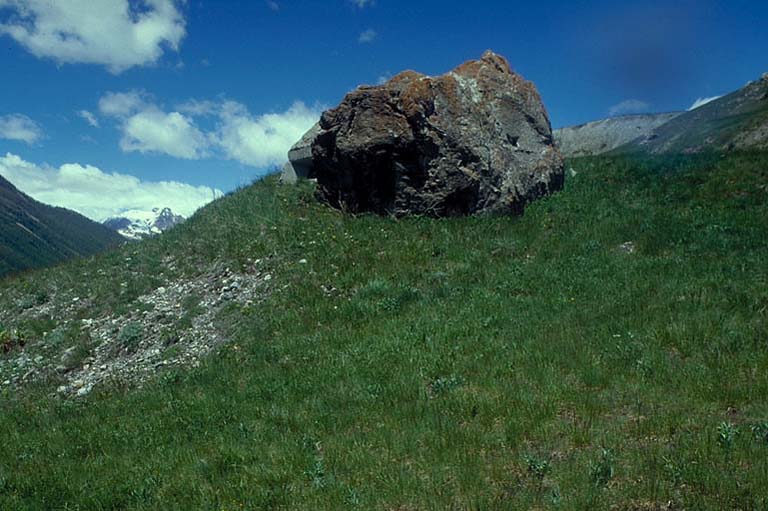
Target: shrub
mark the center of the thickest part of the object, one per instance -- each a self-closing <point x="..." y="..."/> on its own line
<point x="130" y="337"/>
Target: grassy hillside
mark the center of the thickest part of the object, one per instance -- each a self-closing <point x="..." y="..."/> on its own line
<point x="736" y="121"/>
<point x="607" y="350"/>
<point x="33" y="234"/>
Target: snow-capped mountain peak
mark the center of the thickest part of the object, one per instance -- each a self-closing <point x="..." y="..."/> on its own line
<point x="137" y="224"/>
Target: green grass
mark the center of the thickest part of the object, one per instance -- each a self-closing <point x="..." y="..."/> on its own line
<point x="465" y="363"/>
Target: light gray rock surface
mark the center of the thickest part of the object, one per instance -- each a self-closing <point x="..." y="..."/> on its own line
<point x="288" y="174"/>
<point x="299" y="162"/>
<point x="601" y="136"/>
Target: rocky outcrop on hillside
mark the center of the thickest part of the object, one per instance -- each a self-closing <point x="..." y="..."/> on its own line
<point x="601" y="136"/>
<point x="474" y="140"/>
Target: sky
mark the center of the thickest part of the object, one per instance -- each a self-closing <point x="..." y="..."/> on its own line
<point x="111" y="105"/>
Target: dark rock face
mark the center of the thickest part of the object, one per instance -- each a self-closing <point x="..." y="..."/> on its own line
<point x="167" y="219"/>
<point x="475" y="140"/>
<point x="117" y="223"/>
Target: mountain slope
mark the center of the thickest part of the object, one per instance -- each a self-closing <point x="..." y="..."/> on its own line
<point x="33" y="234"/>
<point x="139" y="224"/>
<point x="601" y="136"/>
<point x="736" y="121"/>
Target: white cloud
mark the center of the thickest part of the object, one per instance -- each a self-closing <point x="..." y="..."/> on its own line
<point x="362" y="4"/>
<point x="629" y="106"/>
<point x="98" y="194"/>
<point x="264" y="140"/>
<point x="121" y="104"/>
<point x="198" y="108"/>
<point x="260" y="141"/>
<point x="118" y="34"/>
<point x="367" y="36"/>
<point x="702" y="101"/>
<point x="147" y="129"/>
<point x="170" y="133"/>
<point x="89" y="118"/>
<point x="273" y="5"/>
<point x="19" y="127"/>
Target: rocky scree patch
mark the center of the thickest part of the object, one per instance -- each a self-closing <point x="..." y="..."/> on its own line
<point x="174" y="325"/>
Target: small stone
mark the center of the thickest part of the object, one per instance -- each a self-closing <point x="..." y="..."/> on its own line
<point x="61" y="369"/>
<point x="62" y="389"/>
<point x="267" y="277"/>
<point x="7" y="382"/>
<point x="84" y="391"/>
<point x="627" y="247"/>
<point x="39" y="359"/>
<point x="78" y="383"/>
<point x="302" y="261"/>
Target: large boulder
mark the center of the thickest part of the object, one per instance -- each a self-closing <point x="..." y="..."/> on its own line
<point x="475" y="140"/>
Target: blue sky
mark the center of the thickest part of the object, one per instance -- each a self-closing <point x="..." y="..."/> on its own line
<point x="123" y="104"/>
